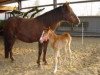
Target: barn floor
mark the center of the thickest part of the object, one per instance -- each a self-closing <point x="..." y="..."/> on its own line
<point x="85" y="59"/>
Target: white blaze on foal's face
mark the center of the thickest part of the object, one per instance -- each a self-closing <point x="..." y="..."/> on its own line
<point x="44" y="36"/>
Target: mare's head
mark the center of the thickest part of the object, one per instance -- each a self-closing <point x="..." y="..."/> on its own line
<point x="69" y="15"/>
<point x="47" y="32"/>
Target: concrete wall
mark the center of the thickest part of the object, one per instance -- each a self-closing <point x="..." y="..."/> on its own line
<point x="94" y="23"/>
<point x="91" y="26"/>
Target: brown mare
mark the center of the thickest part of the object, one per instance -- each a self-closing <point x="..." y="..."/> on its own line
<point x="30" y="30"/>
<point x="58" y="42"/>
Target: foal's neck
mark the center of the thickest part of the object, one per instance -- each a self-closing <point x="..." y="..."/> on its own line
<point x="52" y="36"/>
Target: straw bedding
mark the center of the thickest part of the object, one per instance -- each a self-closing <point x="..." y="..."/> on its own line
<point x="85" y="59"/>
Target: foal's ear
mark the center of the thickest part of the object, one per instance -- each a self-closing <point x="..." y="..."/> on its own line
<point x="49" y="28"/>
<point x="45" y="28"/>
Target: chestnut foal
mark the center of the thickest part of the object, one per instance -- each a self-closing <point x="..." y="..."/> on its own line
<point x="58" y="42"/>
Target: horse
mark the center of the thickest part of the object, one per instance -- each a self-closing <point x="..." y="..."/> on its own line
<point x="58" y="42"/>
<point x="30" y="30"/>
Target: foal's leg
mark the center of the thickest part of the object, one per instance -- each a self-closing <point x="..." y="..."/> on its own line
<point x="65" y="52"/>
<point x="44" y="52"/>
<point x="70" y="53"/>
<point x="40" y="46"/>
<point x="69" y="50"/>
<point x="56" y="60"/>
<point x="59" y="57"/>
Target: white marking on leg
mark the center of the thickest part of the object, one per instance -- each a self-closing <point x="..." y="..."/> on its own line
<point x="65" y="53"/>
<point x="70" y="53"/>
<point x="56" y="61"/>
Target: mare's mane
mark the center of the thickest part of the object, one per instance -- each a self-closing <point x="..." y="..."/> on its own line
<point x="50" y="16"/>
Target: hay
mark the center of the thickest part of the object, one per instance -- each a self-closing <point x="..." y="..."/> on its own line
<point x="85" y="59"/>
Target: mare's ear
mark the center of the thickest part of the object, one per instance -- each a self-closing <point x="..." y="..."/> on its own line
<point x="66" y="4"/>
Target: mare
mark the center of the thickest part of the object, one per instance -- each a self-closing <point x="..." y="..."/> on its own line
<point x="58" y="42"/>
<point x="30" y="30"/>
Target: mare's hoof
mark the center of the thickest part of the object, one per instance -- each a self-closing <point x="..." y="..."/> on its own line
<point x="45" y="63"/>
<point x="12" y="60"/>
<point x="6" y="56"/>
<point x="38" y="63"/>
<point x="39" y="66"/>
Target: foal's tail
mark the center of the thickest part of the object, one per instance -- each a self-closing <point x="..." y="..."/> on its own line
<point x="68" y="36"/>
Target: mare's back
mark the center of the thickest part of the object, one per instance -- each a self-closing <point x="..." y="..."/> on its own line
<point x="27" y="30"/>
<point x="20" y="23"/>
<point x="18" y="20"/>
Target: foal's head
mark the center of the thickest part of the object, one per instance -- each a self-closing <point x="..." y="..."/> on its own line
<point x="46" y="34"/>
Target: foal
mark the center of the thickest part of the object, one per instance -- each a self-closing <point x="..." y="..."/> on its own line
<point x="58" y="42"/>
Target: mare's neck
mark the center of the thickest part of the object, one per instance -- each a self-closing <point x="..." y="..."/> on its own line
<point x="51" y="18"/>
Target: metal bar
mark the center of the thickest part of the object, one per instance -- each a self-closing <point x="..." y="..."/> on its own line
<point x="39" y="6"/>
<point x="85" y="1"/>
<point x="55" y="3"/>
<point x="19" y="4"/>
<point x="9" y="1"/>
<point x="61" y="4"/>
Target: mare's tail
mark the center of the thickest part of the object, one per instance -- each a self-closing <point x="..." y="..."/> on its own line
<point x="66" y="34"/>
<point x="5" y="48"/>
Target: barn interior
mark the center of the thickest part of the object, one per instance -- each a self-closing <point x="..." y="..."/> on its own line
<point x="85" y="44"/>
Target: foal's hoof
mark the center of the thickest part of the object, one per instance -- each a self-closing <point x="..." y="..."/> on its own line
<point x="55" y="71"/>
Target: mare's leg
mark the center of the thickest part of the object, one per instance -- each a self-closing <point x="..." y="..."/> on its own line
<point x="40" y="46"/>
<point x="44" y="52"/>
<point x="8" y="43"/>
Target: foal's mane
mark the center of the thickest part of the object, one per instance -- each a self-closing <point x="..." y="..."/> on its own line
<point x="51" y="16"/>
<point x="52" y="32"/>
